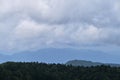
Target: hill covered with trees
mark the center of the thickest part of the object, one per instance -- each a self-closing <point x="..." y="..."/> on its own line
<point x="43" y="71"/>
<point x="89" y="63"/>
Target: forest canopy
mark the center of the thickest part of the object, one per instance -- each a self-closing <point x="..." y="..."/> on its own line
<point x="43" y="71"/>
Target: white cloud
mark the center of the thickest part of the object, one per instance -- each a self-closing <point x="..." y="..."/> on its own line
<point x="34" y="24"/>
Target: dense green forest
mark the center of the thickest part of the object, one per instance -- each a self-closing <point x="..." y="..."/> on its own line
<point x="43" y="71"/>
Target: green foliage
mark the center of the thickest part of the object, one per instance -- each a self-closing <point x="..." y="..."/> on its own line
<point x="42" y="71"/>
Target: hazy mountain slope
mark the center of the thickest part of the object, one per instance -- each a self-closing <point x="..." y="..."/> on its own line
<point x="4" y="58"/>
<point x="52" y="55"/>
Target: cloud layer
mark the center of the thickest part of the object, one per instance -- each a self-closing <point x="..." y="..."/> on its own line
<point x="35" y="24"/>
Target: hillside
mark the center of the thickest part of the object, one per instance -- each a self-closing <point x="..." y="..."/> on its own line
<point x="43" y="71"/>
<point x="89" y="63"/>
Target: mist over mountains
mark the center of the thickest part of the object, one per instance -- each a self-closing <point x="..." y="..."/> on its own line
<point x="56" y="31"/>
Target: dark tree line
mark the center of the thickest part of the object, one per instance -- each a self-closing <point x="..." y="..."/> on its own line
<point x="42" y="71"/>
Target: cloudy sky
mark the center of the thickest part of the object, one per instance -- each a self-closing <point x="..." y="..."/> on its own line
<point x="35" y="24"/>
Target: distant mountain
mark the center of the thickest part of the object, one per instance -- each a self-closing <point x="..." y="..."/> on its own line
<point x="53" y="55"/>
<point x="4" y="58"/>
<point x="89" y="63"/>
<point x="59" y="55"/>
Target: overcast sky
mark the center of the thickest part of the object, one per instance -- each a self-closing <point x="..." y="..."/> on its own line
<point x="35" y="24"/>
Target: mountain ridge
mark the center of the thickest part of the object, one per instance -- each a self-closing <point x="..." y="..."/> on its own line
<point x="55" y="55"/>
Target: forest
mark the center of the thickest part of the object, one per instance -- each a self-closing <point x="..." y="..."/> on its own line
<point x="43" y="71"/>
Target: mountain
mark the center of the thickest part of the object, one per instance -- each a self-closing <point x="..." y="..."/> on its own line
<point x="55" y="55"/>
<point x="89" y="63"/>
<point x="4" y="58"/>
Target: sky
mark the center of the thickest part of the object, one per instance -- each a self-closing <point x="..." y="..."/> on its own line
<point x="27" y="25"/>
